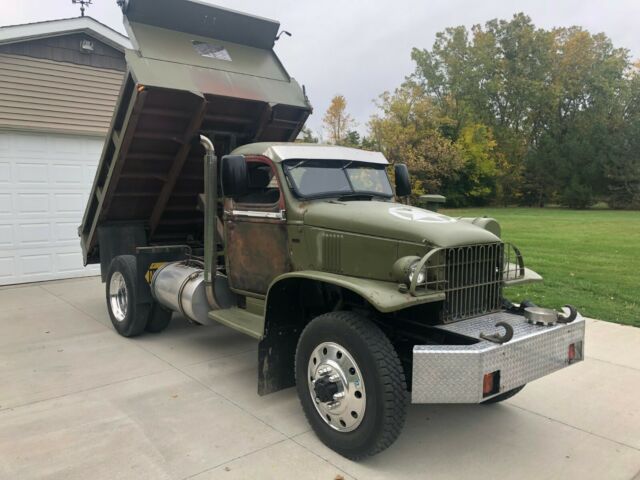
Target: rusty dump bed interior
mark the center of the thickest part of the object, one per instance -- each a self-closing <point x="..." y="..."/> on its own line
<point x="196" y="69"/>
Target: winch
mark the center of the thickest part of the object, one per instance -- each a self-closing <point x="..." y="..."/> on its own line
<point x="548" y="316"/>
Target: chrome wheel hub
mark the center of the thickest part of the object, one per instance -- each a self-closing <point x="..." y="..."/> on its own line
<point x="336" y="387"/>
<point x="118" y="296"/>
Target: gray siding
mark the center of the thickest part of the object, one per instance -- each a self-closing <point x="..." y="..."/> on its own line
<point x="44" y="95"/>
<point x="66" y="48"/>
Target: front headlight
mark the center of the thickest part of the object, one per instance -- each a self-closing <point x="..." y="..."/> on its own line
<point x="422" y="274"/>
<point x="404" y="269"/>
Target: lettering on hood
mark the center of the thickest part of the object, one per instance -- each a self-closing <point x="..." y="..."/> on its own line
<point x="419" y="215"/>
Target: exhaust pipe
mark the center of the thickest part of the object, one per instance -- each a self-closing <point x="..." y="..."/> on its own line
<point x="211" y="199"/>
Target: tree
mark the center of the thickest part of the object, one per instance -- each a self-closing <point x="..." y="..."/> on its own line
<point x="476" y="182"/>
<point x="306" y="136"/>
<point x="337" y="122"/>
<point x="352" y="139"/>
<point x="622" y="168"/>
<point x="552" y="101"/>
<point x="407" y="130"/>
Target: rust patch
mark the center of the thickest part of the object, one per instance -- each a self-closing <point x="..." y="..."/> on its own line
<point x="256" y="253"/>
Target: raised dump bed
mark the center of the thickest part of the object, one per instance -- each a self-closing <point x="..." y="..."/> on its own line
<point x="196" y="69"/>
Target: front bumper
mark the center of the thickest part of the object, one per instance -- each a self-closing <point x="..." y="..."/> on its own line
<point x="455" y="373"/>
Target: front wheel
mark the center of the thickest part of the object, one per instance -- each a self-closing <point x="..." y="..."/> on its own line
<point x="351" y="384"/>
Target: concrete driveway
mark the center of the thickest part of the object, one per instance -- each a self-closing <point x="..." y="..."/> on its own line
<point x="79" y="402"/>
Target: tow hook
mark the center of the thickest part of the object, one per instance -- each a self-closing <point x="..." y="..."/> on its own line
<point x="496" y="337"/>
<point x="573" y="313"/>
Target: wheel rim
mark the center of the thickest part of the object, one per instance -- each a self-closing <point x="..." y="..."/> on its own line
<point x="118" y="296"/>
<point x="336" y="387"/>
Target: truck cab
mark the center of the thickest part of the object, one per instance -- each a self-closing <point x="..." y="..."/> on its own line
<point x="203" y="206"/>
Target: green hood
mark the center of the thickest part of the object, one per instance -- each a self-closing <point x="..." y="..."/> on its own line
<point x="396" y="221"/>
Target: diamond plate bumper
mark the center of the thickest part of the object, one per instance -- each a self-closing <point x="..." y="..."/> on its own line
<point x="454" y="373"/>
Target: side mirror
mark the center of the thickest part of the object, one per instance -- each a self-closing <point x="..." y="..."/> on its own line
<point x="233" y="176"/>
<point x="403" y="182"/>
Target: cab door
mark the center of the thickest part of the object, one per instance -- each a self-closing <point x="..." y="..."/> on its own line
<point x="256" y="231"/>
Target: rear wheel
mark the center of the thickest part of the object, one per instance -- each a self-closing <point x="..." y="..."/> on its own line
<point x="127" y="316"/>
<point x="351" y="384"/>
<point x="503" y="396"/>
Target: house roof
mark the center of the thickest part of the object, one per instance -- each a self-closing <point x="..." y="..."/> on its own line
<point x="51" y="28"/>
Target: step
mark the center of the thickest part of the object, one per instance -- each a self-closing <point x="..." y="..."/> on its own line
<point x="241" y="320"/>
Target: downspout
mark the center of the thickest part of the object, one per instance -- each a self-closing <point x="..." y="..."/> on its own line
<point x="211" y="204"/>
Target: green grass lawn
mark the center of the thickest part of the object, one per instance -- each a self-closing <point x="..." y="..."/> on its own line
<point x="590" y="259"/>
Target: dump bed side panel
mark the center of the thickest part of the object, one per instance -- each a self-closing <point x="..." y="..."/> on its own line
<point x="151" y="169"/>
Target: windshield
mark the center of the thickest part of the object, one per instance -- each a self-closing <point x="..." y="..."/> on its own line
<point x="329" y="178"/>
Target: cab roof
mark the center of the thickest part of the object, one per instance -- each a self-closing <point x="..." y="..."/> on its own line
<point x="279" y="152"/>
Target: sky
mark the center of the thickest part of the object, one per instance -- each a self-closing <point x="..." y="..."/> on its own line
<point x="361" y="48"/>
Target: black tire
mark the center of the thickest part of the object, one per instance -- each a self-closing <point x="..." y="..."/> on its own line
<point x="503" y="396"/>
<point x="159" y="319"/>
<point x="132" y="319"/>
<point x="386" y="398"/>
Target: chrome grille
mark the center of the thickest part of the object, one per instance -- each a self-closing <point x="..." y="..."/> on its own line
<point x="472" y="280"/>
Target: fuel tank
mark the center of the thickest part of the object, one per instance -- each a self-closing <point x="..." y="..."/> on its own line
<point x="181" y="288"/>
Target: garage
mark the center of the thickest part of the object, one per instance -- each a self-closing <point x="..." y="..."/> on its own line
<point x="59" y="82"/>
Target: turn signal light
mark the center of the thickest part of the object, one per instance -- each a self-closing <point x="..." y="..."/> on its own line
<point x="491" y="383"/>
<point x="575" y="352"/>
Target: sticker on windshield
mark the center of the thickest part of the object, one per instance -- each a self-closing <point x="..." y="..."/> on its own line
<point x="418" y="215"/>
<point x="211" y="51"/>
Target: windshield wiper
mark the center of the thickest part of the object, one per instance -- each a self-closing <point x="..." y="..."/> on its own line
<point x="299" y="164"/>
<point x="346" y="166"/>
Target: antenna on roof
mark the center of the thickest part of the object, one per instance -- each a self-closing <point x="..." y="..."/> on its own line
<point x="83" y="4"/>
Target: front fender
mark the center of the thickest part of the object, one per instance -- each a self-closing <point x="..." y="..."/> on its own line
<point x="284" y="319"/>
<point x="383" y="296"/>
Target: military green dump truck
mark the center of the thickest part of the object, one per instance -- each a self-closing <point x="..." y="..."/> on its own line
<point x="202" y="206"/>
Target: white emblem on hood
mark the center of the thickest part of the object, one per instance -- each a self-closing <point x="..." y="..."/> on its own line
<point x="419" y="215"/>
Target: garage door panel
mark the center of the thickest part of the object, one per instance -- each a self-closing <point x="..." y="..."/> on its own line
<point x="35" y="264"/>
<point x="29" y="173"/>
<point x="46" y="180"/>
<point x="67" y="175"/>
<point x="66" y="203"/>
<point x="34" y="233"/>
<point x="70" y="262"/>
<point x="30" y="203"/>
<point x="5" y="204"/>
<point x="5" y="173"/>
<point x="7" y="269"/>
<point x="62" y="146"/>
<point x="27" y="144"/>
<point x="6" y="236"/>
<point x="66" y="232"/>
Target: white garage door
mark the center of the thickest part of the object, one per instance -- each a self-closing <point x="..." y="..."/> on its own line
<point x="44" y="183"/>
